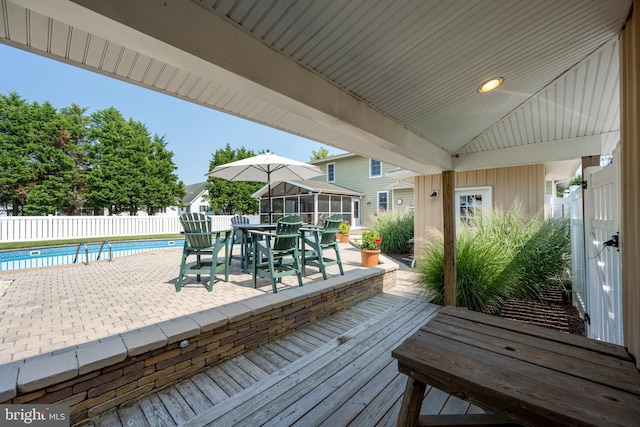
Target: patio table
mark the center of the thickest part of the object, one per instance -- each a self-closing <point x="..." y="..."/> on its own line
<point x="245" y="229"/>
<point x="526" y="374"/>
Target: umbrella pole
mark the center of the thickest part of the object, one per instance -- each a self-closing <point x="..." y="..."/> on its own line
<point x="270" y="206"/>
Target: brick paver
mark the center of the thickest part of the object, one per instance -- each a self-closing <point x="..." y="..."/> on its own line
<point x="47" y="309"/>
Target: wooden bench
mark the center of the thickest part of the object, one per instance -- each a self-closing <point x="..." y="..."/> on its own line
<point x="526" y="374"/>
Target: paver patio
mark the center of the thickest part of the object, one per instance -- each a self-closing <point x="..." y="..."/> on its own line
<point x="48" y="309"/>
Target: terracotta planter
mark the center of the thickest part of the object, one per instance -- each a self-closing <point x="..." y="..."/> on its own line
<point x="369" y="257"/>
<point x="342" y="238"/>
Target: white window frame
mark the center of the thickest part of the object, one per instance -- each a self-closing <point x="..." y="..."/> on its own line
<point x="371" y="168"/>
<point x="487" y="198"/>
<point x="378" y="201"/>
<point x="333" y="167"/>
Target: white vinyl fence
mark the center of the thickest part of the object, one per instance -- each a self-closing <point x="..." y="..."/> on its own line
<point x="578" y="268"/>
<point x="557" y="207"/>
<point x="39" y="228"/>
<point x="597" y="262"/>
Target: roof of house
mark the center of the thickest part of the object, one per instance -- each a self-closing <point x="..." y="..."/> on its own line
<point x="314" y="187"/>
<point x="193" y="192"/>
<point x="332" y="158"/>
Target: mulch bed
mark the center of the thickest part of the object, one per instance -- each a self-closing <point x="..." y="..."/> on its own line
<point x="553" y="311"/>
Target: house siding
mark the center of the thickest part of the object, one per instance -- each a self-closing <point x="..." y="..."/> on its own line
<point x="525" y="184"/>
<point x="352" y="172"/>
<point x="630" y="155"/>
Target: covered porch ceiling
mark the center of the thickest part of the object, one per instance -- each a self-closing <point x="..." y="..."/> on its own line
<point x="394" y="80"/>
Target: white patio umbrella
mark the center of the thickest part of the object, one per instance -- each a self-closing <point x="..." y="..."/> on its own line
<point x="267" y="167"/>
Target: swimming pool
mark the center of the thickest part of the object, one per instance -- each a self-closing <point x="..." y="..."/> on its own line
<point x="59" y="255"/>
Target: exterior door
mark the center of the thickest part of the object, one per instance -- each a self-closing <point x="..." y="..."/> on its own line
<point x="356" y="213"/>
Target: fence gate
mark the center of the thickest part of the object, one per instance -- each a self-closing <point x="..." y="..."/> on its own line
<point x="602" y="252"/>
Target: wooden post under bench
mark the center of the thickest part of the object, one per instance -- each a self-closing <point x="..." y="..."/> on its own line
<point x="518" y="372"/>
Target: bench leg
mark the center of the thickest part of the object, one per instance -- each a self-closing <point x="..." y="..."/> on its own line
<point x="411" y="403"/>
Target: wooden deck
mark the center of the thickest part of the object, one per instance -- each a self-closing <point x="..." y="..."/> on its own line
<point x="334" y="372"/>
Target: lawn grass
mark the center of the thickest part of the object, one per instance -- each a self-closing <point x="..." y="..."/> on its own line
<point x="44" y="243"/>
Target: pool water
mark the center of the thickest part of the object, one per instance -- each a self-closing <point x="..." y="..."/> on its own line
<point x="59" y="255"/>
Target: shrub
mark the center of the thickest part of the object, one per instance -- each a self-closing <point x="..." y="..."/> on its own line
<point x="499" y="256"/>
<point x="545" y="259"/>
<point x="396" y="230"/>
<point x="482" y="284"/>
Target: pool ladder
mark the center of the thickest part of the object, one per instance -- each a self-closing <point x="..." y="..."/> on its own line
<point x="86" y="252"/>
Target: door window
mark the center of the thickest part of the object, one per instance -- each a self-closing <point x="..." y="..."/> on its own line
<point x="471" y="202"/>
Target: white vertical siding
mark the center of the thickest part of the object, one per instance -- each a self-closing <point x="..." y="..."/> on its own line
<point x="630" y="159"/>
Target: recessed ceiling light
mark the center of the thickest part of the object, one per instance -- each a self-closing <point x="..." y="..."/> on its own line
<point x="490" y="85"/>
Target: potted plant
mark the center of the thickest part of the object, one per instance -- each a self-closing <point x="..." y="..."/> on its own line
<point x="370" y="248"/>
<point x="343" y="235"/>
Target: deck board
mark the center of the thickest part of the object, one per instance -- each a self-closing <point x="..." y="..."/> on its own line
<point x="379" y="406"/>
<point x="241" y="377"/>
<point x="255" y="371"/>
<point x="309" y="382"/>
<point x="155" y="411"/>
<point x="335" y="372"/>
<point x="227" y="383"/>
<point x="284" y="348"/>
<point x="209" y="388"/>
<point x="265" y="363"/>
<point x="110" y="419"/>
<point x="303" y="335"/>
<point x="133" y="415"/>
<point x="193" y="396"/>
<point x="353" y="400"/>
<point x="306" y="341"/>
<point x="320" y="333"/>
<point x="176" y="405"/>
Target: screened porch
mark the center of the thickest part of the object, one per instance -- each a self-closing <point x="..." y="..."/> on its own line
<point x="310" y="199"/>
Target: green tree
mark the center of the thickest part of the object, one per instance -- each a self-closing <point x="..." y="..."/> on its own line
<point x="130" y="169"/>
<point x="108" y="175"/>
<point x="322" y="153"/>
<point x="53" y="167"/>
<point x="162" y="187"/>
<point x="231" y="197"/>
<point x="74" y="131"/>
<point x="135" y="155"/>
<point x="16" y="137"/>
<point x="63" y="161"/>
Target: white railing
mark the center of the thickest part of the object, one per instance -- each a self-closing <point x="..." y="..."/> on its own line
<point x="39" y="228"/>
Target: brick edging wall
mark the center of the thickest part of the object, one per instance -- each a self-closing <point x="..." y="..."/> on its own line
<point x="95" y="378"/>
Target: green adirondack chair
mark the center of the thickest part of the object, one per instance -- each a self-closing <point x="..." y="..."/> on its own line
<point x="322" y="239"/>
<point x="276" y="254"/>
<point x="200" y="240"/>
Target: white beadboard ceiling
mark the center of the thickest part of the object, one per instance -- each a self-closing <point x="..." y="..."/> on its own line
<point x="390" y="79"/>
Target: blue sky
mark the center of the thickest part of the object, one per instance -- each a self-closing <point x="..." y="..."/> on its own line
<point x="193" y="132"/>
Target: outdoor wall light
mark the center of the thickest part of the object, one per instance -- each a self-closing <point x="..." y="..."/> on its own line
<point x="434" y="193"/>
<point x="490" y="85"/>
